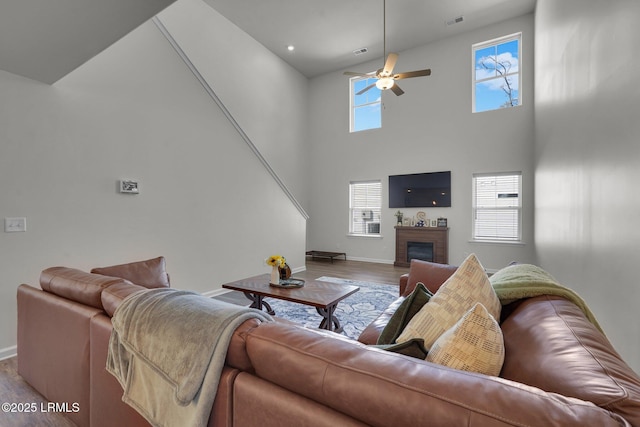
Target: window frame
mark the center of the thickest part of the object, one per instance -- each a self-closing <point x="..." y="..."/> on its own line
<point x="515" y="238"/>
<point x="376" y="211"/>
<point x="353" y="107"/>
<point x="491" y="43"/>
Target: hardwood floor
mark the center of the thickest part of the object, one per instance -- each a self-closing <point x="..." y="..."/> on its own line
<point x="354" y="270"/>
<point x="13" y="389"/>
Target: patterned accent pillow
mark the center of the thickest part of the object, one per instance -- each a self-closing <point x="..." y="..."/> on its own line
<point x="466" y="287"/>
<point x="473" y="344"/>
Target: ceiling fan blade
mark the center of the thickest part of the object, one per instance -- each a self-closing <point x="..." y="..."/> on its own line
<point x="389" y="64"/>
<point x="351" y="73"/>
<point x="396" y="89"/>
<point x="365" y="89"/>
<point x="410" y="74"/>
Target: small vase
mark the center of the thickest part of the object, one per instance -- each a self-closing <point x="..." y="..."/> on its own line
<point x="275" y="276"/>
<point x="285" y="271"/>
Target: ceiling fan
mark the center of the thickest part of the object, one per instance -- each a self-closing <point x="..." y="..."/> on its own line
<point x="386" y="79"/>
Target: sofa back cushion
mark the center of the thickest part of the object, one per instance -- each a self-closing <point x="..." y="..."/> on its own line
<point x="381" y="388"/>
<point x="431" y="274"/>
<point x="550" y="344"/>
<point x="150" y="273"/>
<point x="113" y="296"/>
<point x="77" y="285"/>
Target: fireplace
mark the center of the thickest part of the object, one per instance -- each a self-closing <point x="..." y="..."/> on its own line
<point x="425" y="243"/>
<point x="420" y="250"/>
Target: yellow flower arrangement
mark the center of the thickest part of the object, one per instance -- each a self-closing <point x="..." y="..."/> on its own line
<point x="276" y="261"/>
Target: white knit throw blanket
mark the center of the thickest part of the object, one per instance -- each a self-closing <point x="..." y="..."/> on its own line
<point x="167" y="349"/>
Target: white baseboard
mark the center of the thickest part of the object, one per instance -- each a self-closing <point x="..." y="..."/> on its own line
<point x="8" y="352"/>
<point x="215" y="292"/>
<point x="372" y="260"/>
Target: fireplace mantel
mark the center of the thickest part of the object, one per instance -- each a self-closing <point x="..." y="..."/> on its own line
<point x="439" y="236"/>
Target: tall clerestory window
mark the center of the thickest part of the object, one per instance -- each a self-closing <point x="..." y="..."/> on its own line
<point x="496" y="73"/>
<point x="366" y="108"/>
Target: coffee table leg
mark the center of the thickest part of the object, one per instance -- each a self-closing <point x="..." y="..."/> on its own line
<point x="258" y="302"/>
<point x="329" y="321"/>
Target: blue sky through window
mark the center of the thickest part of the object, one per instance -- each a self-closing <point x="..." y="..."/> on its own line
<point x="367" y="112"/>
<point x="497" y="75"/>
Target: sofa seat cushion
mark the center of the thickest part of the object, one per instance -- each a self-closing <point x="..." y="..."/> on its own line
<point x="150" y="273"/>
<point x="77" y="285"/>
<point x="466" y="287"/>
<point x="551" y="345"/>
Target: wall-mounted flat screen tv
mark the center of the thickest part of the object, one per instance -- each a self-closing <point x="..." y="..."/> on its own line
<point x="420" y="190"/>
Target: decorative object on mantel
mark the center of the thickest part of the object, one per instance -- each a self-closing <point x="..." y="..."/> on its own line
<point x="442" y="222"/>
<point x="421" y="217"/>
<point x="276" y="262"/>
<point x="399" y="216"/>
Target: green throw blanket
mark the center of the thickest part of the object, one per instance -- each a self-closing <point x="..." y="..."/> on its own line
<point x="167" y="349"/>
<point x="526" y="281"/>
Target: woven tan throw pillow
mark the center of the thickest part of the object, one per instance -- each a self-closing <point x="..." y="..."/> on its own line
<point x="466" y="287"/>
<point x="473" y="344"/>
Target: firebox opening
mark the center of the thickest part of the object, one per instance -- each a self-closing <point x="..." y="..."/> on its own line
<point x="420" y="250"/>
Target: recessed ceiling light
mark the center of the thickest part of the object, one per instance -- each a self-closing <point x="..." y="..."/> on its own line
<point x="291" y="48"/>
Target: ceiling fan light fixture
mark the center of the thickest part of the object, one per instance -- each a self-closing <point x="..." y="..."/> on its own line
<point x="384" y="83"/>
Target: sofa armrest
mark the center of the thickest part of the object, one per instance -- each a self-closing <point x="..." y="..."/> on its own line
<point x="372" y="332"/>
<point x="404" y="280"/>
<point x="383" y="388"/>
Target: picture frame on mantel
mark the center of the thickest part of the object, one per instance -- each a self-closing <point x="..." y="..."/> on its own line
<point x="442" y="222"/>
<point x="433" y="223"/>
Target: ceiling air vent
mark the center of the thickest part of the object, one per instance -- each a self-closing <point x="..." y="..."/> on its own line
<point x="456" y="20"/>
<point x="360" y="51"/>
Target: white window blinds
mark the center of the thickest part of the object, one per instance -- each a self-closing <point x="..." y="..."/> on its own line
<point x="365" y="207"/>
<point x="497" y="206"/>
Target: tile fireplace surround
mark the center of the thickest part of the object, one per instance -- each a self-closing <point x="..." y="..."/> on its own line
<point x="438" y="236"/>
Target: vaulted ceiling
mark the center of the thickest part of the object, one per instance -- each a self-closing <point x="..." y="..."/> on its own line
<point x="46" y="39"/>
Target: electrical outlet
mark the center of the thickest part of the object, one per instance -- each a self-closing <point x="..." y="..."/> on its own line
<point x="12" y="225"/>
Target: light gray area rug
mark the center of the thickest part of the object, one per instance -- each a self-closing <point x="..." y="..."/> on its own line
<point x="354" y="312"/>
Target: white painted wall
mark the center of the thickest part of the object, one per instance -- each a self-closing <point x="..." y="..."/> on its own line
<point x="429" y="128"/>
<point x="136" y="111"/>
<point x="264" y="94"/>
<point x="588" y="157"/>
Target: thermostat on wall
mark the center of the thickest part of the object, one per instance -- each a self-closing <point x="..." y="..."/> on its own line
<point x="127" y="186"/>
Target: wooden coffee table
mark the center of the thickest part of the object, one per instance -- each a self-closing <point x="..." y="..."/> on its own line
<point x="324" y="296"/>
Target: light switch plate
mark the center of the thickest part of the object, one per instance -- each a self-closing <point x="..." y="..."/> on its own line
<point x="17" y="224"/>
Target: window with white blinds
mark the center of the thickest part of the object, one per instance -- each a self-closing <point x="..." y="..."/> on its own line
<point x="497" y="207"/>
<point x="365" y="202"/>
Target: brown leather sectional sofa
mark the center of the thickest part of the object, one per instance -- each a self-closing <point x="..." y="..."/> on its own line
<point x="559" y="369"/>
